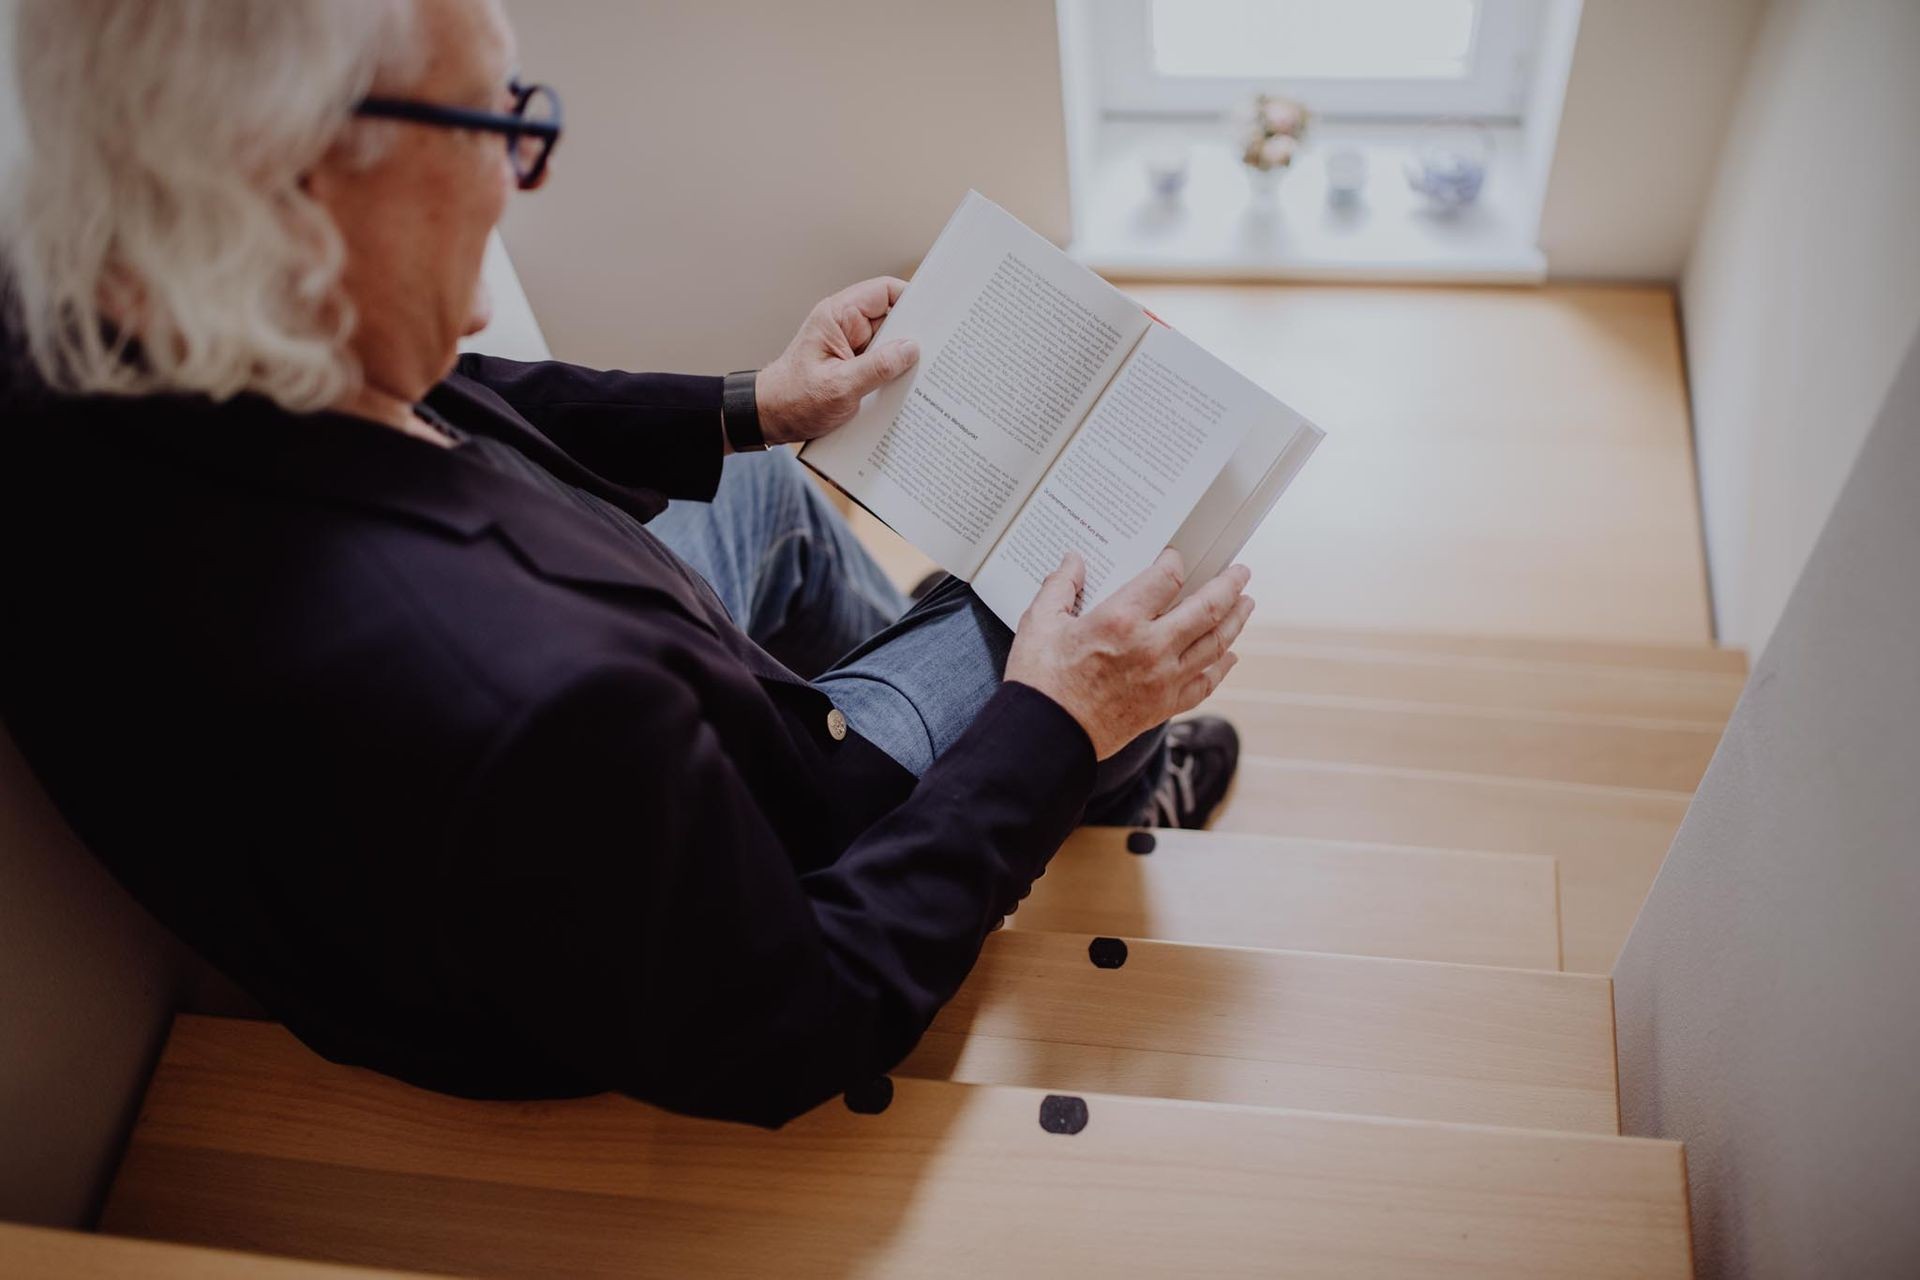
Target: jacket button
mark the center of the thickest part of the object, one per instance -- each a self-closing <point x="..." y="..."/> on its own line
<point x="837" y="724"/>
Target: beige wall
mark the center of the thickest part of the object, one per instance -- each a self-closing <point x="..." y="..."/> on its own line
<point x="730" y="162"/>
<point x="1648" y="99"/>
<point x="1804" y="288"/>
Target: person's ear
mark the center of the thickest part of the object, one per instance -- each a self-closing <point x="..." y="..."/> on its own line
<point x="323" y="181"/>
<point x="314" y="183"/>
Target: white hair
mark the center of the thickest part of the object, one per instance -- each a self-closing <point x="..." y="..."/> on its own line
<point x="156" y="235"/>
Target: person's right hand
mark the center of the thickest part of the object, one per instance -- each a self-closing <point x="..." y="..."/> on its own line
<point x="1139" y="658"/>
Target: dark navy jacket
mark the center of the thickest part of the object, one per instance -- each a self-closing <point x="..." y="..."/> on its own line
<point x="463" y="788"/>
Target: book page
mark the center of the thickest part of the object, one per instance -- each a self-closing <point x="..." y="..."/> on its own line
<point x="1240" y="497"/>
<point x="1016" y="341"/>
<point x="1155" y="441"/>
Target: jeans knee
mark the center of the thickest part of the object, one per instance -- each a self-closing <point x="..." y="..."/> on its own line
<point x="775" y="473"/>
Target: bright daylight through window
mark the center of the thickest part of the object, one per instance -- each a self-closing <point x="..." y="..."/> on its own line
<point x="1332" y="138"/>
<point x="1314" y="39"/>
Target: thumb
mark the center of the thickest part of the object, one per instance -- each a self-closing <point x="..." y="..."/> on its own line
<point x="882" y="364"/>
<point x="1060" y="591"/>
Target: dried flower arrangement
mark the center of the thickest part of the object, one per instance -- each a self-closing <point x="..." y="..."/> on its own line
<point x="1269" y="129"/>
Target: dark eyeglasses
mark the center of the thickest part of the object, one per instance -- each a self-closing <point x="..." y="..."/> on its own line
<point x="531" y="129"/>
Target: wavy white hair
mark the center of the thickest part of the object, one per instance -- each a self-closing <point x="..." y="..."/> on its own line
<point x="158" y="200"/>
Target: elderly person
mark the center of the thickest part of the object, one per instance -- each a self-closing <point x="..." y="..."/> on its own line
<point x="392" y="683"/>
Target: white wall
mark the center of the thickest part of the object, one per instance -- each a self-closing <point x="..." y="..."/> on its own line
<point x="9" y="106"/>
<point x="1804" y="288"/>
<point x="1647" y="104"/>
<point x="728" y="163"/>
<point x="88" y="986"/>
<point x="1765" y="1001"/>
<point x="512" y="331"/>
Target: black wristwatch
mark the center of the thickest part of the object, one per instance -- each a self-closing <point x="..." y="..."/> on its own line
<point x="740" y="412"/>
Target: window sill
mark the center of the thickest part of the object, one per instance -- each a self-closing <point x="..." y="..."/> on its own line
<point x="1216" y="229"/>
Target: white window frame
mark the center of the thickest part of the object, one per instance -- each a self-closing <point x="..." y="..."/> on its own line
<point x="1495" y="89"/>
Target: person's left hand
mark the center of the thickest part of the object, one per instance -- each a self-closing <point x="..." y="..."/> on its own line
<point x="818" y="381"/>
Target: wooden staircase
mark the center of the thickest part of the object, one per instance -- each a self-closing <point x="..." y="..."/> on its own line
<point x="1331" y="1037"/>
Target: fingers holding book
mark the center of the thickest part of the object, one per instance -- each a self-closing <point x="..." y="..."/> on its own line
<point x="1060" y="591"/>
<point x="1141" y="657"/>
<point x="1213" y="614"/>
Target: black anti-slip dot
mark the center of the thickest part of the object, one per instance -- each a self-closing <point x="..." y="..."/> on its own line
<point x="1063" y="1113"/>
<point x="1107" y="953"/>
<point x="1140" y="842"/>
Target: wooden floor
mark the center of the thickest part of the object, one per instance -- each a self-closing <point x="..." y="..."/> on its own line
<point x="1483" y="621"/>
<point x="1498" y="462"/>
<point x="1337" y="896"/>
<point x="39" y="1253"/>
<point x="1348" y="1035"/>
<point x="249" y="1140"/>
<point x="1608" y="841"/>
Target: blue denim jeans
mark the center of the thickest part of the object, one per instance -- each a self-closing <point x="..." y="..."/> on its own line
<point x="909" y="679"/>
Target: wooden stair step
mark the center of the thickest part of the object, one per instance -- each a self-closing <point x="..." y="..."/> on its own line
<point x="1615" y="752"/>
<point x="41" y="1253"/>
<point x="906" y="565"/>
<point x="1603" y="653"/>
<point x="1271" y="665"/>
<point x="1358" y="1035"/>
<point x="248" y="1138"/>
<point x="1608" y="842"/>
<point x="1301" y="895"/>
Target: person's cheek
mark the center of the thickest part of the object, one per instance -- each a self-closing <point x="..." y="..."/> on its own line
<point x="480" y="313"/>
<point x="506" y="182"/>
<point x="493" y="187"/>
<point x="479" y="299"/>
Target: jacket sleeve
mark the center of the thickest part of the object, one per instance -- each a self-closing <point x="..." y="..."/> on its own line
<point x="624" y="904"/>
<point x="657" y="431"/>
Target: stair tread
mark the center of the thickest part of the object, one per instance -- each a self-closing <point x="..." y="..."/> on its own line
<point x="41" y="1253"/>
<point x="1608" y="842"/>
<point x="1572" y="651"/>
<point x="1359" y="1035"/>
<point x="1304" y="895"/>
<point x="1277" y="665"/>
<point x="1599" y="751"/>
<point x="247" y="1136"/>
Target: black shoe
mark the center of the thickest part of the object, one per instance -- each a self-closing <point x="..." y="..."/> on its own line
<point x="1202" y="754"/>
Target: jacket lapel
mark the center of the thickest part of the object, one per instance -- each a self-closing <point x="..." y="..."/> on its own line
<point x="358" y="463"/>
<point x="562" y="544"/>
<point x="475" y="407"/>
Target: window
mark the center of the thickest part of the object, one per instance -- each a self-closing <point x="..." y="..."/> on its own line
<point x="1398" y="89"/>
<point x="1301" y="39"/>
<point x="1346" y="59"/>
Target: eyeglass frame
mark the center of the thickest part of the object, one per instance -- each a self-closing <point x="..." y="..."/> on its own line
<point x="514" y="126"/>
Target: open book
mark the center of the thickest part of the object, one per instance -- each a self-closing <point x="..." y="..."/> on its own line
<point x="1049" y="411"/>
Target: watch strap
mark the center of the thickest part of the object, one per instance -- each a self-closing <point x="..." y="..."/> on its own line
<point x="740" y="412"/>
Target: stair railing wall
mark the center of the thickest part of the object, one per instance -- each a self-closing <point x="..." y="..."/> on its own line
<point x="1768" y="1000"/>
